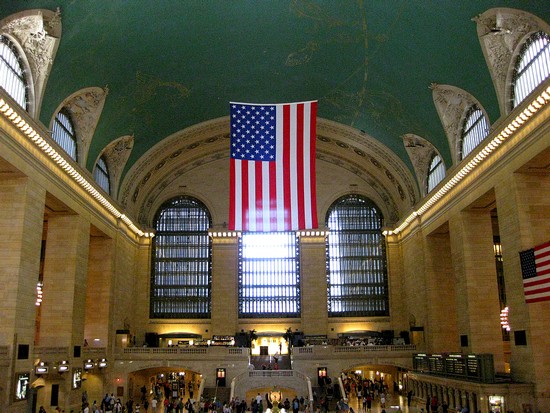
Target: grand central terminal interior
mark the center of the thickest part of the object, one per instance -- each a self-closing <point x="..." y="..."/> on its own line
<point x="408" y="160"/>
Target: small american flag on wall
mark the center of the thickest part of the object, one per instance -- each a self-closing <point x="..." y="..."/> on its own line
<point x="535" y="269"/>
<point x="272" y="166"/>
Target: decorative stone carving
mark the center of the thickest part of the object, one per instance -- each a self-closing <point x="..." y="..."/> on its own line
<point x="116" y="155"/>
<point x="451" y="104"/>
<point x="38" y="33"/>
<point x="85" y="107"/>
<point x="501" y="31"/>
<point x="420" y="152"/>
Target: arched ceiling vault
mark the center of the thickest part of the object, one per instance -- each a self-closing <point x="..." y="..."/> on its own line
<point x="162" y="172"/>
<point x="169" y="65"/>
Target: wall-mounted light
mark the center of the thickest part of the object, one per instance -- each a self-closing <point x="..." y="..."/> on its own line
<point x="88" y="364"/>
<point x="41" y="368"/>
<point x="63" y="366"/>
<point x="102" y="363"/>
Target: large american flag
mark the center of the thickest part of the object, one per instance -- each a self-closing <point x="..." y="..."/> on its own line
<point x="535" y="268"/>
<point x="272" y="166"/>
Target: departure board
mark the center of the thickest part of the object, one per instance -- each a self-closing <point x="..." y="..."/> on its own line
<point x="478" y="367"/>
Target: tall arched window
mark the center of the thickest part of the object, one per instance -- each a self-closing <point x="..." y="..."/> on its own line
<point x="436" y="173"/>
<point x="356" y="259"/>
<point x="12" y="75"/>
<point x="532" y="66"/>
<point x="101" y="175"/>
<point x="474" y="130"/>
<point x="63" y="132"/>
<point x="269" y="275"/>
<point x="181" y="278"/>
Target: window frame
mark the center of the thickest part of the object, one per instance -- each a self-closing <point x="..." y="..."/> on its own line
<point x="101" y="174"/>
<point x="21" y="96"/>
<point x="64" y="133"/>
<point x="190" y="263"/>
<point x="525" y="63"/>
<point x="363" y="251"/>
<point x="432" y="170"/>
<point x="280" y="296"/>
<point x="474" y="131"/>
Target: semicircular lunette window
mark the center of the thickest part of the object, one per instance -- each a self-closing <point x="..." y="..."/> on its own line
<point x="357" y="281"/>
<point x="532" y="66"/>
<point x="12" y="75"/>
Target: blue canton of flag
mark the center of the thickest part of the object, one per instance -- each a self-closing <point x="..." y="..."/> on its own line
<point x="253" y="133"/>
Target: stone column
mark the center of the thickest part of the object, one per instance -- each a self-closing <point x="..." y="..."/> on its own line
<point x="441" y="294"/>
<point x="65" y="278"/>
<point x="21" y="223"/>
<point x="313" y="284"/>
<point x="523" y="203"/>
<point x="225" y="290"/>
<point x="478" y="306"/>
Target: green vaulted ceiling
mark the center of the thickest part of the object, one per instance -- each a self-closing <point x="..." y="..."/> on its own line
<point x="172" y="64"/>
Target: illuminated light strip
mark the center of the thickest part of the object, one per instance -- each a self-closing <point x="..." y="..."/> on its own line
<point x="224" y="234"/>
<point x="42" y="144"/>
<point x="537" y="104"/>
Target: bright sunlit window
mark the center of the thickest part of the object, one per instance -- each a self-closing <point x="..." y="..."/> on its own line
<point x="436" y="173"/>
<point x="12" y="75"/>
<point x="269" y="276"/>
<point x="475" y="129"/>
<point x="533" y="66"/>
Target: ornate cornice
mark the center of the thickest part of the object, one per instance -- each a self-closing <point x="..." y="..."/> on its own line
<point x="500" y="32"/>
<point x="38" y="33"/>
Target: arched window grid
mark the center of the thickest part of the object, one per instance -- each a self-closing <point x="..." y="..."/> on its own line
<point x="474" y="131"/>
<point x="532" y="67"/>
<point x="269" y="275"/>
<point x="12" y="74"/>
<point x="181" y="270"/>
<point x="63" y="133"/>
<point x="101" y="175"/>
<point x="436" y="173"/>
<point x="357" y="282"/>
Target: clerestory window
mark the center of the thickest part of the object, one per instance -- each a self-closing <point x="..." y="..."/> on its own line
<point x="357" y="281"/>
<point x="532" y="66"/>
<point x="436" y="172"/>
<point x="474" y="130"/>
<point x="101" y="175"/>
<point x="63" y="133"/>
<point x="181" y="277"/>
<point x="12" y="74"/>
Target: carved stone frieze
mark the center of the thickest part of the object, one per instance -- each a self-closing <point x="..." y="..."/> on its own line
<point x="451" y="104"/>
<point x="500" y="32"/>
<point x="38" y="33"/>
<point x="420" y="152"/>
<point x="85" y="107"/>
<point x="116" y="155"/>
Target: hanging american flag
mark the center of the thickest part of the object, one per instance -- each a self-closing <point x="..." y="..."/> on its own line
<point x="535" y="268"/>
<point x="272" y="167"/>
